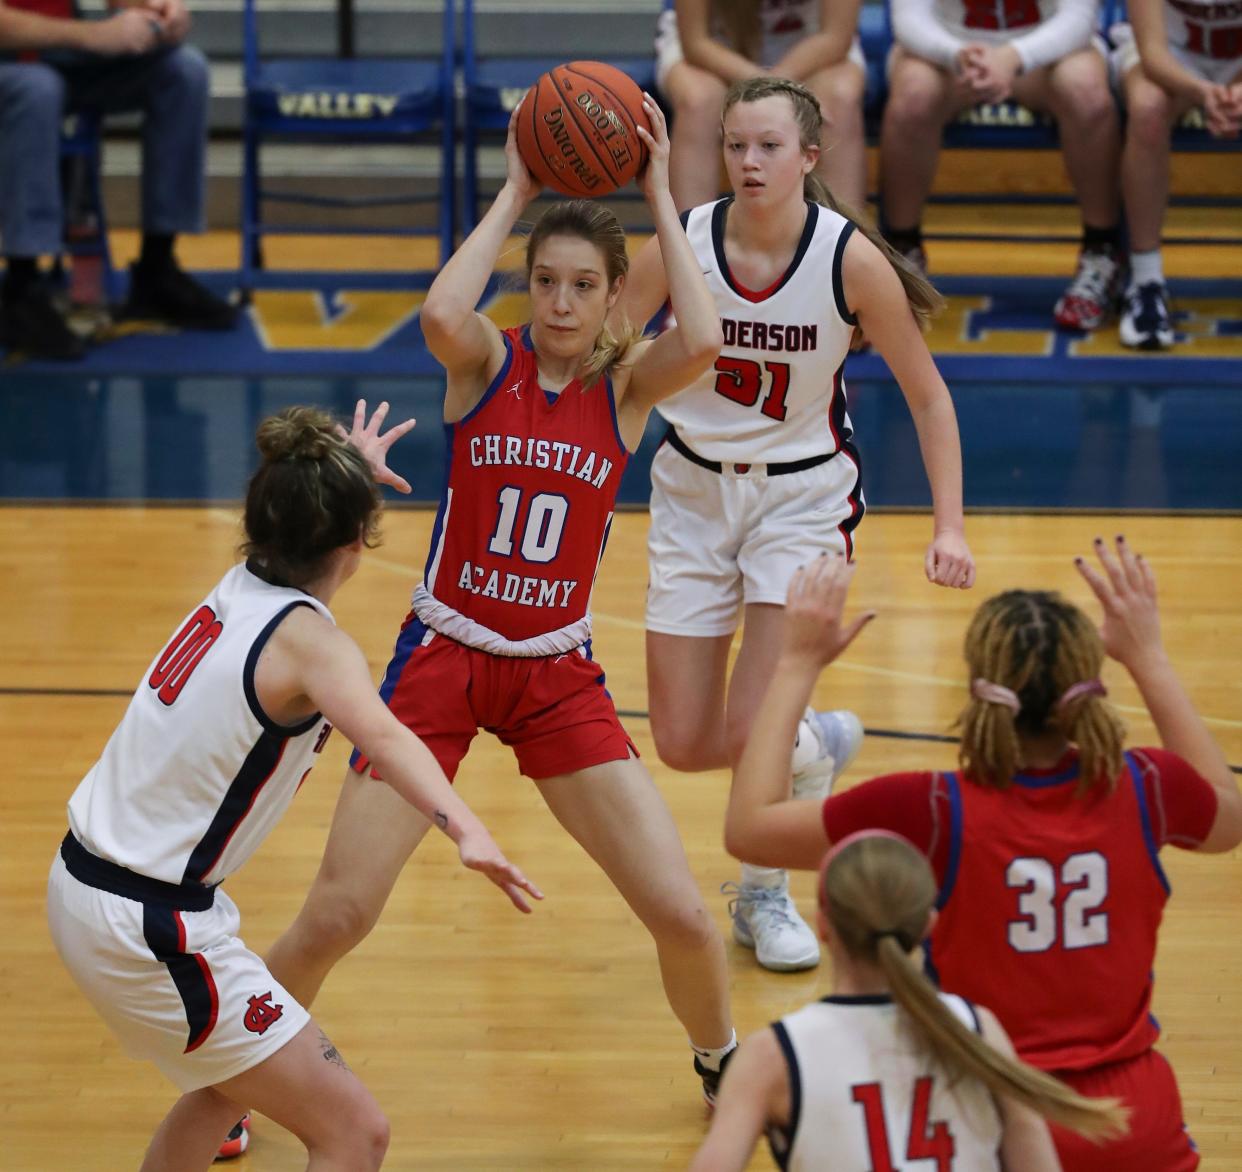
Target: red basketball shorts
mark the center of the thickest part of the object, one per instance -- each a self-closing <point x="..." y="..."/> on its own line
<point x="552" y="711"/>
<point x="1158" y="1140"/>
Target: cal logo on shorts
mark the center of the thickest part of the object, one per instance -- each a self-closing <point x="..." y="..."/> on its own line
<point x="262" y="1013"/>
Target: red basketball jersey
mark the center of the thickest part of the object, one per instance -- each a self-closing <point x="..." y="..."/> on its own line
<point x="1059" y="932"/>
<point x="528" y="501"/>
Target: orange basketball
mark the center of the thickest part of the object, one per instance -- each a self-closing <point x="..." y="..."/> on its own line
<point x="577" y="129"/>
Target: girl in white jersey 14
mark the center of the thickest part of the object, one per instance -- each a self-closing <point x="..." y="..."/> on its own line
<point x="759" y="473"/>
<point x="887" y="1069"/>
<point x="229" y="719"/>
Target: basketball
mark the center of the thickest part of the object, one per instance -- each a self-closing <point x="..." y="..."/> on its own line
<point x="577" y="129"/>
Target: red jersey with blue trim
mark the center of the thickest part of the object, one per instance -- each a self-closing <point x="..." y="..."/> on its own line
<point x="528" y="501"/>
<point x="1065" y="897"/>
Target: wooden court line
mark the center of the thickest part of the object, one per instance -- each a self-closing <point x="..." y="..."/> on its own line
<point x="410" y="572"/>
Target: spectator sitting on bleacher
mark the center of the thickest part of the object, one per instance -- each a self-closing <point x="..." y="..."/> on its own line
<point x="953" y="54"/>
<point x="1173" y="57"/>
<point x="704" y="46"/>
<point x="52" y="63"/>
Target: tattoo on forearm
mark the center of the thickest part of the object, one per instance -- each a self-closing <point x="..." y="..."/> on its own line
<point x="441" y="819"/>
<point x="330" y="1052"/>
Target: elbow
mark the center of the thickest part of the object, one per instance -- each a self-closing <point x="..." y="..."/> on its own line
<point x="439" y="321"/>
<point x="704" y="347"/>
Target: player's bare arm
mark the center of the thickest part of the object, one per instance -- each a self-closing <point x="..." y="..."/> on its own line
<point x="465" y="342"/>
<point x="875" y="294"/>
<point x="681" y="354"/>
<point x="335" y="679"/>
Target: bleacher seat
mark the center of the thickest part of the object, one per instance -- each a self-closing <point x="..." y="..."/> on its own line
<point x="345" y="99"/>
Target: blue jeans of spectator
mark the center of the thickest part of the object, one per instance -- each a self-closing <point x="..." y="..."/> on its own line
<point x="168" y="88"/>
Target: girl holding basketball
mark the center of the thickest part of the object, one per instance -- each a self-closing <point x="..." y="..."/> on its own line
<point x="540" y="421"/>
<point x="1045" y="844"/>
<point x="759" y="473"/>
<point x="887" y="1063"/>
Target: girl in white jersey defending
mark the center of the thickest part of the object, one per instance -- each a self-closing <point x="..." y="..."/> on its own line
<point x="759" y="473"/>
<point x="215" y="743"/>
<point x="1173" y="56"/>
<point x="887" y="1069"/>
<point x="703" y="46"/>
<point x="953" y="54"/>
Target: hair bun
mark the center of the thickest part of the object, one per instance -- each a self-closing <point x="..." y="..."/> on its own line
<point x="297" y="433"/>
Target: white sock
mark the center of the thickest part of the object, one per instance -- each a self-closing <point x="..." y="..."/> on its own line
<point x="711" y="1057"/>
<point x="773" y="877"/>
<point x="806" y="748"/>
<point x="1146" y="268"/>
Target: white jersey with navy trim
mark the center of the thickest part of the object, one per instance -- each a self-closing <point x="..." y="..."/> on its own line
<point x="864" y="1094"/>
<point x="196" y="774"/>
<point x="775" y="394"/>
<point x="1206" y="28"/>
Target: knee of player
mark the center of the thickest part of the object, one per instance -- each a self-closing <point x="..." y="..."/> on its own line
<point x="337" y="917"/>
<point x="368" y="1132"/>
<point x="678" y="748"/>
<point x="685" y="925"/>
<point x="1149" y="115"/>
<point x="1086" y="101"/>
<point x="701" y="101"/>
<point x="915" y="99"/>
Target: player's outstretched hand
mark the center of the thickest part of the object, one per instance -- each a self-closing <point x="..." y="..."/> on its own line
<point x="1126" y="588"/>
<point x="949" y="562"/>
<point x="367" y="438"/>
<point x="814" y="610"/>
<point x="479" y="852"/>
<point x="654" y="178"/>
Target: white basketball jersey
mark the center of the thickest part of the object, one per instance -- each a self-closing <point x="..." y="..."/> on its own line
<point x="865" y="1095"/>
<point x="196" y="774"/>
<point x="775" y="394"/>
<point x="993" y="20"/>
<point x="1206" y="28"/>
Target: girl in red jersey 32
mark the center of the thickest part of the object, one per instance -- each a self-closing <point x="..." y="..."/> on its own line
<point x="1045" y="845"/>
<point x="539" y="421"/>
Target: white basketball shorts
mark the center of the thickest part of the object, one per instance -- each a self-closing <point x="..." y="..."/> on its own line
<point x="668" y="51"/>
<point x="719" y="540"/>
<point x="176" y="987"/>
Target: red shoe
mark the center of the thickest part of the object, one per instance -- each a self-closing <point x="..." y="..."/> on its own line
<point x="238" y="1141"/>
<point x="1093" y="294"/>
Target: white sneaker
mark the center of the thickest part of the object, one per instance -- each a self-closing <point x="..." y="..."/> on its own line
<point x="765" y="919"/>
<point x="840" y="736"/>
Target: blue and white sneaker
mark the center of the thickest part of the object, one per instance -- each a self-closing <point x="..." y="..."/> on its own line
<point x="1146" y="322"/>
<point x="840" y="736"/>
<point x="765" y="919"/>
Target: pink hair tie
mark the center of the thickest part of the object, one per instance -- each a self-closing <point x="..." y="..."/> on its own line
<point x="1083" y="688"/>
<point x="991" y="693"/>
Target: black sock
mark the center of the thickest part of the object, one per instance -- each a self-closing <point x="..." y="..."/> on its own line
<point x="1101" y="239"/>
<point x="157" y="250"/>
<point x="905" y="240"/>
<point x="19" y="274"/>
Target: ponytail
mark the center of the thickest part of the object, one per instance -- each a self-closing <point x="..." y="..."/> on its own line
<point x="877" y="891"/>
<point x="924" y="299"/>
<point x="964" y="1052"/>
